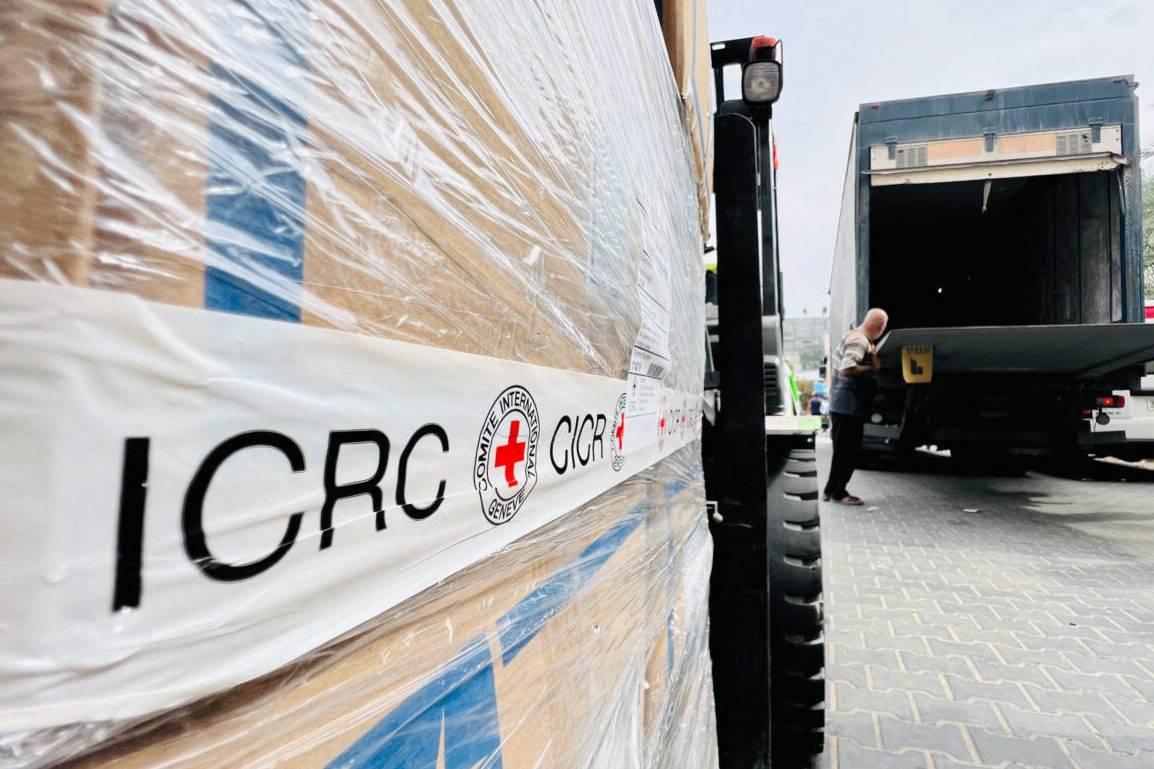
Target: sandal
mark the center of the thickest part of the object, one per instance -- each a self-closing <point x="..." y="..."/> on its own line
<point x="849" y="500"/>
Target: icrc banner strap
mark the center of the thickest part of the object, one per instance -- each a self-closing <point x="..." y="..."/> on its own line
<point x="194" y="499"/>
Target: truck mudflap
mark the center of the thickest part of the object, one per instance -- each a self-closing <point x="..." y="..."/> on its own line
<point x="1081" y="351"/>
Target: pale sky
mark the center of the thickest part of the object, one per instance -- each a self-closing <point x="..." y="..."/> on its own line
<point x="842" y="53"/>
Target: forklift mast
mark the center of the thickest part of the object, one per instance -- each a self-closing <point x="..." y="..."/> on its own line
<point x="760" y="468"/>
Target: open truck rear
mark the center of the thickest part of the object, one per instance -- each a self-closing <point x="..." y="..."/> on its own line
<point x="1001" y="230"/>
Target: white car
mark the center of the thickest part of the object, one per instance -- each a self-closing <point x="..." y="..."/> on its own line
<point x="1133" y="412"/>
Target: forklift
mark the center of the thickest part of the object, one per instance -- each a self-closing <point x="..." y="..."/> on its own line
<point x="761" y="479"/>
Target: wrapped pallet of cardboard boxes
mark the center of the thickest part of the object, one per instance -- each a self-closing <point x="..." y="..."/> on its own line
<point x="350" y="358"/>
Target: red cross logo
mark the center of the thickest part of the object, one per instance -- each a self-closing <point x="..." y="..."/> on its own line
<point x="509" y="455"/>
<point x="620" y="433"/>
<point x="513" y="414"/>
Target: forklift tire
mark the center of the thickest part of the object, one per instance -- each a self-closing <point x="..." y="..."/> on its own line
<point x="797" y="643"/>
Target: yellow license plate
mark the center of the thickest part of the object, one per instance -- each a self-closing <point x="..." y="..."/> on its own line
<point x="917" y="364"/>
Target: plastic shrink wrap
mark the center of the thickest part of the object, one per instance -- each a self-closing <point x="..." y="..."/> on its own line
<point x="350" y="357"/>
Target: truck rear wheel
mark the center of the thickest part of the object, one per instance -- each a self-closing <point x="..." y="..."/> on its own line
<point x="797" y="642"/>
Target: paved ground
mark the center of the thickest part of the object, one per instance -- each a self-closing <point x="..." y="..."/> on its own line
<point x="1021" y="635"/>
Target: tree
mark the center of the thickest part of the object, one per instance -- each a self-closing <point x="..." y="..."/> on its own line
<point x="810" y="356"/>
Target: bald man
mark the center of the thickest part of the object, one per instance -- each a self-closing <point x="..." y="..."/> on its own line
<point x="854" y="363"/>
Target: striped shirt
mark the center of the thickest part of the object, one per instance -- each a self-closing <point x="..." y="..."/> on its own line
<point x="852" y="351"/>
<point x="849" y="396"/>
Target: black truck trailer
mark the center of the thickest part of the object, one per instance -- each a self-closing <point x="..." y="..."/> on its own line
<point x="1001" y="231"/>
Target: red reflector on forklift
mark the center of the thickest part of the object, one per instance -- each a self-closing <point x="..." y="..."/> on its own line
<point x="1111" y="401"/>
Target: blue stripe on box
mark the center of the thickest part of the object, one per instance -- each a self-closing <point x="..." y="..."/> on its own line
<point x="451" y="722"/>
<point x="522" y="623"/>
<point x="255" y="198"/>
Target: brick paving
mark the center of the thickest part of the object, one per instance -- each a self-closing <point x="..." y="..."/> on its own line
<point x="1021" y="635"/>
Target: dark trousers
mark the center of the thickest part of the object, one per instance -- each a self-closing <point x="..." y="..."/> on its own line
<point x="846" y="433"/>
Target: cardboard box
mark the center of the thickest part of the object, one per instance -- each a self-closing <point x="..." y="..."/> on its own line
<point x="447" y="227"/>
<point x="149" y="224"/>
<point x="685" y="26"/>
<point x="49" y="191"/>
